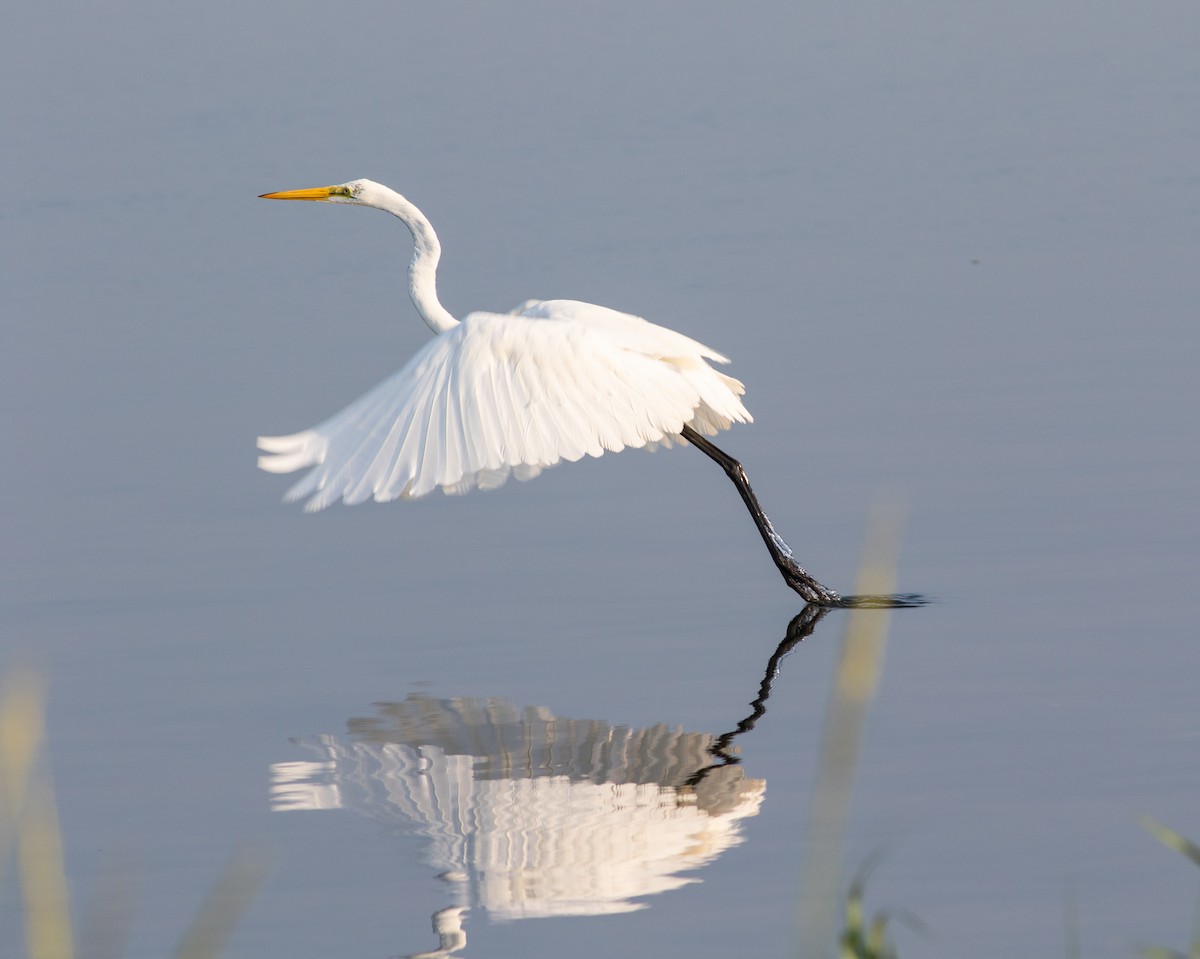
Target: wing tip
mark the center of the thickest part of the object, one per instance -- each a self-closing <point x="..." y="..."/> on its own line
<point x="285" y="444"/>
<point x="286" y="454"/>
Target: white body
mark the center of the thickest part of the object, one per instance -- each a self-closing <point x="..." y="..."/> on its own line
<point x="501" y="393"/>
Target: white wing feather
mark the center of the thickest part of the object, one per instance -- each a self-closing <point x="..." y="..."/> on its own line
<point x="511" y="393"/>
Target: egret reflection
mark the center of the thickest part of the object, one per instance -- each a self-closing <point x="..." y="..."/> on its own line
<point x="529" y="814"/>
<point x="542" y="815"/>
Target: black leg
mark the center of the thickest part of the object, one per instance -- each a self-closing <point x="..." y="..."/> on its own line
<point x="793" y="573"/>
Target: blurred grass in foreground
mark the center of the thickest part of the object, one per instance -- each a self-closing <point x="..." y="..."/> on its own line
<point x="858" y="671"/>
<point x="1173" y="840"/>
<point x="29" y="821"/>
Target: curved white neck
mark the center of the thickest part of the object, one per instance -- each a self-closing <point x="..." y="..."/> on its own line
<point x="422" y="271"/>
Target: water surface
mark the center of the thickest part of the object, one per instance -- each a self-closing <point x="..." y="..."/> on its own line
<point x="952" y="253"/>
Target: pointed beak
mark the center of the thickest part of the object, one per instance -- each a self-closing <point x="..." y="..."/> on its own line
<point x="312" y="193"/>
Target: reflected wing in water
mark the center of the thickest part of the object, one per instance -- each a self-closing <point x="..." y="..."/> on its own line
<point x="542" y="816"/>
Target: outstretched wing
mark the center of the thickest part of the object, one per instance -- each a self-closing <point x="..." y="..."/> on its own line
<point x="510" y="393"/>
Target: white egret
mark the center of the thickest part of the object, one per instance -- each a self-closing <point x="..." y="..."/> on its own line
<point x="501" y="393"/>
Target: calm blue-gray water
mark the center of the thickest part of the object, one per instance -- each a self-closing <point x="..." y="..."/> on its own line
<point x="953" y="251"/>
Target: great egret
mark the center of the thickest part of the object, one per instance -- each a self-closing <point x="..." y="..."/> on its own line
<point x="515" y="392"/>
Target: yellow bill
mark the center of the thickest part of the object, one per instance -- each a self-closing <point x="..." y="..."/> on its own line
<point x="312" y="193"/>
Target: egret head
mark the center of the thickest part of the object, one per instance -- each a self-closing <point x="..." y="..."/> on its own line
<point x="360" y="192"/>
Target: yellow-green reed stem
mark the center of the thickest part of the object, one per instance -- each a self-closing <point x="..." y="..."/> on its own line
<point x="224" y="905"/>
<point x="856" y="679"/>
<point x="29" y="816"/>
